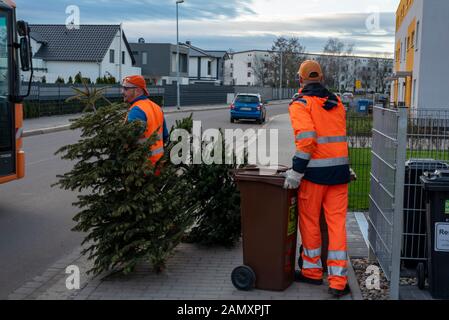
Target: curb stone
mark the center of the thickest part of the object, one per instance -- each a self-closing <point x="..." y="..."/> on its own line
<point x="353" y="283"/>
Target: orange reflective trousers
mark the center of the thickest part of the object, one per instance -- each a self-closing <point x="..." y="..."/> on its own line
<point x="334" y="200"/>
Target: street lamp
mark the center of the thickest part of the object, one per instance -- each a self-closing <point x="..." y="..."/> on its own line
<point x="280" y="75"/>
<point x="178" y="103"/>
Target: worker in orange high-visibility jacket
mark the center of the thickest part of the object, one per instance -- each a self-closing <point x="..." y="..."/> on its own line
<point x="135" y="92"/>
<point x="321" y="171"/>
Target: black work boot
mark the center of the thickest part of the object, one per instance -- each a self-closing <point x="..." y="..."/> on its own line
<point x="299" y="277"/>
<point x="340" y="293"/>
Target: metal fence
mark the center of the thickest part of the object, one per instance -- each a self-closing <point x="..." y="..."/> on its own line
<point x="387" y="191"/>
<point x="427" y="150"/>
<point x="359" y="132"/>
<point x="50" y="99"/>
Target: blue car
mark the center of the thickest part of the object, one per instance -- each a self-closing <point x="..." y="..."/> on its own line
<point x="248" y="106"/>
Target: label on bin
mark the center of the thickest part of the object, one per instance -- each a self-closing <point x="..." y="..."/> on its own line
<point x="442" y="237"/>
<point x="292" y="219"/>
<point x="446" y="207"/>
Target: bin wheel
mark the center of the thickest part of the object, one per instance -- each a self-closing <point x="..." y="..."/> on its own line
<point x="243" y="278"/>
<point x="421" y="275"/>
<point x="300" y="261"/>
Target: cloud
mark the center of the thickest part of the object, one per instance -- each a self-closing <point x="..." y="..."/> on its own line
<point x="52" y="11"/>
<point x="213" y="24"/>
<point x="253" y="33"/>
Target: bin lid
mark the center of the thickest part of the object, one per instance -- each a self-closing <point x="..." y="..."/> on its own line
<point x="436" y="181"/>
<point x="271" y="175"/>
<point x="426" y="164"/>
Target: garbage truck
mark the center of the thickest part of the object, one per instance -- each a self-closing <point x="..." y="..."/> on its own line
<point x="15" y="54"/>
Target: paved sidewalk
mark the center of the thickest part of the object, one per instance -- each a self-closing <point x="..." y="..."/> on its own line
<point x="193" y="273"/>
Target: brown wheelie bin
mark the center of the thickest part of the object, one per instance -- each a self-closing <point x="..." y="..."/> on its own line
<point x="269" y="230"/>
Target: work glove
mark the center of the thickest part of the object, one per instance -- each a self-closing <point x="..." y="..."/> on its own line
<point x="292" y="179"/>
<point x="352" y="174"/>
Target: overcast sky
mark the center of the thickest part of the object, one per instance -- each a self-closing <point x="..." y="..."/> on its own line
<point x="234" y="24"/>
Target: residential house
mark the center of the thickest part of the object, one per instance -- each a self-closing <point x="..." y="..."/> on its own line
<point x="206" y="66"/>
<point x="420" y="80"/>
<point x="95" y="51"/>
<point x="353" y="73"/>
<point x="241" y="67"/>
<point x="158" y="62"/>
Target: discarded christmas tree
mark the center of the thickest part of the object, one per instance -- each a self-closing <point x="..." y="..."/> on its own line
<point x="218" y="219"/>
<point x="130" y="214"/>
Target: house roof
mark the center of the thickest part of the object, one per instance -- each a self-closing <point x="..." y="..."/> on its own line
<point x="197" y="52"/>
<point x="89" y="43"/>
<point x="217" y="54"/>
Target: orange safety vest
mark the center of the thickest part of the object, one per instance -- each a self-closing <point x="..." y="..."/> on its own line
<point x="155" y="122"/>
<point x="319" y="126"/>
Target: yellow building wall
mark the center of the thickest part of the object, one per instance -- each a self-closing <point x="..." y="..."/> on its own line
<point x="401" y="13"/>
<point x="409" y="46"/>
<point x="410" y="61"/>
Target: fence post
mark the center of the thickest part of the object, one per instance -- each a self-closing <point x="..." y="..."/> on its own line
<point x="59" y="98"/>
<point x="401" y="157"/>
<point x="39" y="99"/>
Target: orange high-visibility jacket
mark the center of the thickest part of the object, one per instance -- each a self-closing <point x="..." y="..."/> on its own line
<point x="155" y="122"/>
<point x="319" y="122"/>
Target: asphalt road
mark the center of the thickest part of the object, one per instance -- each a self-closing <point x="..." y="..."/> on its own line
<point x="36" y="219"/>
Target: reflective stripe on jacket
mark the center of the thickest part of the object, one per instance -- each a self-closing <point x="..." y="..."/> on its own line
<point x="155" y="122"/>
<point x="319" y="122"/>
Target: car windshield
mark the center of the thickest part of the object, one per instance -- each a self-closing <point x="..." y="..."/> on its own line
<point x="247" y="99"/>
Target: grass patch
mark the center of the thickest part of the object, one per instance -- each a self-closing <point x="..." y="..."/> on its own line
<point x="361" y="164"/>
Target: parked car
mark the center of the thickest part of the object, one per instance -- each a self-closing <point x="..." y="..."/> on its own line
<point x="248" y="106"/>
<point x="348" y="95"/>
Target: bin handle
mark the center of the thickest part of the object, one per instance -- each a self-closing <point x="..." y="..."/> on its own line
<point x="281" y="168"/>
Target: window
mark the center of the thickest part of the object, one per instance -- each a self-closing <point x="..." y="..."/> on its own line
<point x="249" y="64"/>
<point x="232" y="75"/>
<point x="209" y="68"/>
<point x="123" y="57"/>
<point x="249" y="74"/>
<point x="417" y="36"/>
<point x="183" y="62"/>
<point x="414" y="92"/>
<point x="144" y="57"/>
<point x="6" y="120"/>
<point x="112" y="56"/>
<point x="404" y="49"/>
<point x="247" y="99"/>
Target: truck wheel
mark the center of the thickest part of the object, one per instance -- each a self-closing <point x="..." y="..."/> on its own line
<point x="243" y="278"/>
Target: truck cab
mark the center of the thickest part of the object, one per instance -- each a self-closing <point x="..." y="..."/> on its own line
<point x="12" y="158"/>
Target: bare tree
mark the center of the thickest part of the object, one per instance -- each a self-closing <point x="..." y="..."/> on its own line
<point x="333" y="61"/>
<point x="364" y="75"/>
<point x="291" y="53"/>
<point x="261" y="71"/>
<point x="381" y="69"/>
